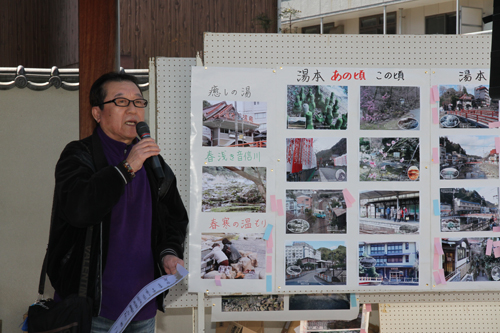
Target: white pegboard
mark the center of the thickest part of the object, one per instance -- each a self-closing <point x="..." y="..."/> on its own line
<point x="408" y="51"/>
<point x="170" y="111"/>
<point x="172" y="97"/>
<point x="470" y="317"/>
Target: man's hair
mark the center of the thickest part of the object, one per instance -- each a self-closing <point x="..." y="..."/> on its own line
<point x="98" y="92"/>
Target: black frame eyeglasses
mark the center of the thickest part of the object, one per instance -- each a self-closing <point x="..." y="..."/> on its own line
<point x="124" y="102"/>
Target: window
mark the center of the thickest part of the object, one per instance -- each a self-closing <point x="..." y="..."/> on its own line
<point x="377" y="248"/>
<point x="316" y="29"/>
<point x="395" y="248"/>
<point x="407" y="246"/>
<point x="375" y="24"/>
<point x="395" y="260"/>
<point x="380" y="261"/>
<point x="461" y="253"/>
<point x="445" y="24"/>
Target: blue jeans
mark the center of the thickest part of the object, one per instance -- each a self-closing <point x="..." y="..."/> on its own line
<point x="102" y="325"/>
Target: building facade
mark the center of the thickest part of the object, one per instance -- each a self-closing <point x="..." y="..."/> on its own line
<point x="401" y="17"/>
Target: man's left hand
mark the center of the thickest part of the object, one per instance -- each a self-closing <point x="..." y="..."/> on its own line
<point x="170" y="263"/>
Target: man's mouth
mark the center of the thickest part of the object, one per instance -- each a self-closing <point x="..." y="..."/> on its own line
<point x="131" y="123"/>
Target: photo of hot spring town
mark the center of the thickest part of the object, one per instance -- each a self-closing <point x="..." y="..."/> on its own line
<point x="469" y="209"/>
<point x="466" y="260"/>
<point x="234" y="124"/>
<point x="388" y="263"/>
<point x="315" y="263"/>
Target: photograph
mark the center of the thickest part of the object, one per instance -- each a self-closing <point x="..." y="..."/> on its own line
<point x="388" y="263"/>
<point x="253" y="303"/>
<point x="233" y="256"/>
<point x="314" y="263"/>
<point x="341" y="326"/>
<point x="389" y="212"/>
<point x="468" y="157"/>
<point x="389" y="108"/>
<point x="234" y="124"/>
<point x="315" y="212"/>
<point x="389" y="159"/>
<point x="232" y="189"/>
<point x="466" y="106"/>
<point x="466" y="260"/>
<point x="468" y="209"/>
<point x="319" y="302"/>
<point x="316" y="160"/>
<point x="317" y="107"/>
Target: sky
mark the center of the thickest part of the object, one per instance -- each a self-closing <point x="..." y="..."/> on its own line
<point x="479" y="145"/>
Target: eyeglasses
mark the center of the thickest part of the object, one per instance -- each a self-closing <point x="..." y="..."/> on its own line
<point x="124" y="102"/>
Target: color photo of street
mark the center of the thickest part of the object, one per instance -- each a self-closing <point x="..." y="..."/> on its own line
<point x="466" y="260"/>
<point x="389" y="212"/>
<point x="468" y="209"/>
<point x="468" y="157"/>
<point x="314" y="263"/>
<point x="315" y="212"/>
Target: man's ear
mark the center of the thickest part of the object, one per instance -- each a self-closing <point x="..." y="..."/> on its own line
<point x="96" y="113"/>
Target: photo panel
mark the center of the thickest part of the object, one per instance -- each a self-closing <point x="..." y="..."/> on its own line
<point x="321" y="107"/>
<point x="389" y="159"/>
<point x="232" y="123"/>
<point x="468" y="209"/>
<point x="466" y="106"/>
<point x="389" y="212"/>
<point x="471" y="260"/>
<point x="233" y="189"/>
<point x="233" y="256"/>
<point x="288" y="308"/>
<point x="389" y="264"/>
<point x="315" y="212"/>
<point x="319" y="159"/>
<point x="319" y="302"/>
<point x="315" y="263"/>
<point x="468" y="157"/>
<point x="389" y="107"/>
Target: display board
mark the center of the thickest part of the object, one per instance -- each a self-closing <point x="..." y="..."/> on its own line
<point x="341" y="180"/>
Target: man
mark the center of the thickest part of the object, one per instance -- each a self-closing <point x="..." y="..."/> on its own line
<point x="139" y="221"/>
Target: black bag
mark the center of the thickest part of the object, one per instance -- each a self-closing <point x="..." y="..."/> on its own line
<point x="73" y="314"/>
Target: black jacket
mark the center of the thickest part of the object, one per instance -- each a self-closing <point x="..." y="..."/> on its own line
<point x="86" y="190"/>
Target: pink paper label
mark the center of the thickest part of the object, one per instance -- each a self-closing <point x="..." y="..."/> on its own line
<point x="435" y="116"/>
<point x="438" y="246"/>
<point x="437" y="279"/>
<point x="273" y="203"/>
<point x="269" y="264"/>
<point x="280" y="207"/>
<point x="489" y="246"/>
<point x="435" y="155"/>
<point x="441" y="276"/>
<point x="436" y="261"/>
<point x="217" y="281"/>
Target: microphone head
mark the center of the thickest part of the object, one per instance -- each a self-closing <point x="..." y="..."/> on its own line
<point x="142" y="130"/>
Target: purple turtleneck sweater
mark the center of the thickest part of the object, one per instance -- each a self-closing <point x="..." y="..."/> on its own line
<point x="130" y="263"/>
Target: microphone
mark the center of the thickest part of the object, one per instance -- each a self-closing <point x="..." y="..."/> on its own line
<point x="143" y="131"/>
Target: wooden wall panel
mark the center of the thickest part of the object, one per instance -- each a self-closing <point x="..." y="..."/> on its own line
<point x="44" y="33"/>
<point x="174" y="28"/>
<point x="38" y="33"/>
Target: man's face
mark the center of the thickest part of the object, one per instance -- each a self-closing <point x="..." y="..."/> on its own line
<point x="119" y="122"/>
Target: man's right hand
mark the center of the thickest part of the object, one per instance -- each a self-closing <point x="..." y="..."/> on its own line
<point x="141" y="151"/>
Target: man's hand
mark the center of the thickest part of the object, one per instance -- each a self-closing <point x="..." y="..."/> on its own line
<point x="170" y="263"/>
<point x="141" y="151"/>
